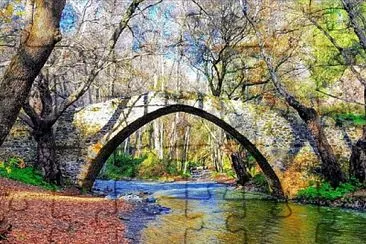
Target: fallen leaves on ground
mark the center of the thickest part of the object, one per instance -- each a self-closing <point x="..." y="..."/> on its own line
<point x="40" y="216"/>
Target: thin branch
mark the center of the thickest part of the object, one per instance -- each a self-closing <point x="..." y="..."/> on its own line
<point x="26" y="119"/>
<point x="339" y="98"/>
<point x="123" y="24"/>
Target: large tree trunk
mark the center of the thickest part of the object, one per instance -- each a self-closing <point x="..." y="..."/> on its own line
<point x="37" y="42"/>
<point x="356" y="21"/>
<point x="357" y="166"/>
<point x="46" y="155"/>
<point x="239" y="168"/>
<point x="330" y="167"/>
<point x="157" y="138"/>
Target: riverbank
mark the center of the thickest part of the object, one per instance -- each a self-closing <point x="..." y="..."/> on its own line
<point x="354" y="201"/>
<point x="33" y="215"/>
<point x="29" y="214"/>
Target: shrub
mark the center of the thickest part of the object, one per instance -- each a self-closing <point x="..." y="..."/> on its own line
<point x="15" y="169"/>
<point x="151" y="167"/>
<point x="349" y="118"/>
<point x="193" y="164"/>
<point x="260" y="180"/>
<point x="121" y="165"/>
<point x="230" y="173"/>
<point x="170" y="167"/>
<point x="325" y="191"/>
<point x="147" y="167"/>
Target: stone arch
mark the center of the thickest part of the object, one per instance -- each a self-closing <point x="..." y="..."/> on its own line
<point x="94" y="165"/>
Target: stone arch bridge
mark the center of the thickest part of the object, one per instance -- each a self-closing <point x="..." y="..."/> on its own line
<point x="87" y="136"/>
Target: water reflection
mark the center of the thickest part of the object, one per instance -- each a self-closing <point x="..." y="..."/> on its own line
<point x="228" y="216"/>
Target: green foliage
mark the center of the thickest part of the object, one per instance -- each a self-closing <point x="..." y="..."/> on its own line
<point x="10" y="12"/>
<point x="154" y="168"/>
<point x="186" y="175"/>
<point x="191" y="164"/>
<point x="230" y="172"/>
<point x="326" y="64"/>
<point x="350" y="118"/>
<point x="260" y="180"/>
<point x="121" y="165"/>
<point x="151" y="167"/>
<point x="15" y="169"/>
<point x="341" y="108"/>
<point x="325" y="191"/>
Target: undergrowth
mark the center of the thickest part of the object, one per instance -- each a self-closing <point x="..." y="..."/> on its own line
<point x="149" y="166"/>
<point x="350" y="118"/>
<point x="121" y="165"/>
<point x="16" y="169"/>
<point x="325" y="191"/>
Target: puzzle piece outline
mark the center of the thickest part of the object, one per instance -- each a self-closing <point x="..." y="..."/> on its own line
<point x="113" y="212"/>
<point x="226" y="220"/>
<point x="321" y="223"/>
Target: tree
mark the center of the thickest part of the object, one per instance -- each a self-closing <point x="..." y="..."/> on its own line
<point x="357" y="21"/>
<point x="216" y="39"/>
<point x="330" y="167"/>
<point x="352" y="55"/>
<point x="43" y="110"/>
<point x="38" y="39"/>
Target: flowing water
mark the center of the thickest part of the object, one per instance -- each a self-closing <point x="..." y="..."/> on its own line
<point x="215" y="213"/>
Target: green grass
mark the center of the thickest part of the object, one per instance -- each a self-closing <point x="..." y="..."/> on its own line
<point x="15" y="169"/>
<point x="325" y="191"/>
<point x="354" y="119"/>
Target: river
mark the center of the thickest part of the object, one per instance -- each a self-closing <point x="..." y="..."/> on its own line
<point x="208" y="212"/>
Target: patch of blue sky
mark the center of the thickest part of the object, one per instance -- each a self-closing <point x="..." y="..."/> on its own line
<point x="19" y="9"/>
<point x="138" y="38"/>
<point x="168" y="12"/>
<point x="167" y="32"/>
<point x="170" y="53"/>
<point x="69" y="19"/>
<point x="195" y="48"/>
<point x="18" y="13"/>
<point x="153" y="12"/>
<point x="216" y="36"/>
<point x="163" y="23"/>
<point x="136" y="47"/>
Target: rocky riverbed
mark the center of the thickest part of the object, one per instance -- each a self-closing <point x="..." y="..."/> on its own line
<point x="145" y="209"/>
<point x="145" y="206"/>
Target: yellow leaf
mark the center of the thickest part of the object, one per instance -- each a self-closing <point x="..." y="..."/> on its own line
<point x="9" y="10"/>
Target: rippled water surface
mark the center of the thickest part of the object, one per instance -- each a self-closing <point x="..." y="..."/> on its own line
<point x="214" y="213"/>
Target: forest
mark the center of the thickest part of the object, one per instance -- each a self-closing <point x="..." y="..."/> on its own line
<point x="256" y="96"/>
